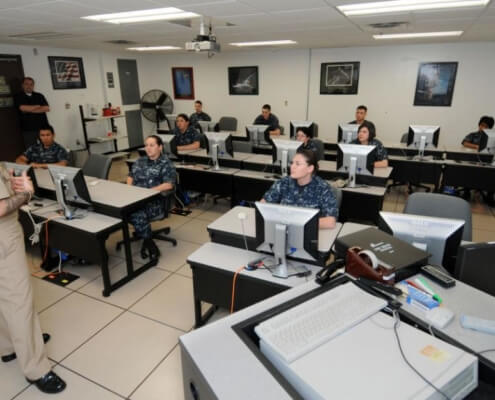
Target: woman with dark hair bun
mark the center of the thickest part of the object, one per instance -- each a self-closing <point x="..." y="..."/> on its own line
<point x="186" y="136"/>
<point x="367" y="136"/>
<point x="153" y="171"/>
<point x="303" y="188"/>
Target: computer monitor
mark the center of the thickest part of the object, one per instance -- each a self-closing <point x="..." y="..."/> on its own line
<point x="256" y="134"/>
<point x="219" y="144"/>
<point x="171" y="120"/>
<point x="18" y="169"/>
<point x="169" y="146"/>
<point x="474" y="266"/>
<point x="283" y="151"/>
<point x="423" y="137"/>
<point x="296" y="124"/>
<point x="355" y="159"/>
<point x="70" y="188"/>
<point x="440" y="237"/>
<point x="487" y="142"/>
<point x="347" y="133"/>
<point x="286" y="230"/>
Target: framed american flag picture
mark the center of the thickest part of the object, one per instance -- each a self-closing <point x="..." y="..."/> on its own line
<point x="67" y="72"/>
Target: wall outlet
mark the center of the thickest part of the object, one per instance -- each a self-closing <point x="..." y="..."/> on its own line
<point x="286" y="103"/>
<point x="67" y="106"/>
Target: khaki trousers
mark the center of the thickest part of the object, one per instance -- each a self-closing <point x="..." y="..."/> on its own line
<point x="20" y="330"/>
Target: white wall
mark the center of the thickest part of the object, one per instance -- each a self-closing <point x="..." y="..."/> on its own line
<point x="386" y="85"/>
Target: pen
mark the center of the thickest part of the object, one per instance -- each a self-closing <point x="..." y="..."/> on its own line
<point x="426" y="287"/>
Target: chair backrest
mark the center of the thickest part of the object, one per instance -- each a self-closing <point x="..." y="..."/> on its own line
<point x="242" y="146"/>
<point x="403" y="138"/>
<point x="320" y="154"/>
<point x="202" y="140"/>
<point x="97" y="165"/>
<point x="337" y="192"/>
<point x="443" y="206"/>
<point x="227" y="124"/>
<point x="475" y="266"/>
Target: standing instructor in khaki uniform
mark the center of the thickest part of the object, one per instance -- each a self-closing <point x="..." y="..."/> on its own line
<point x="20" y="333"/>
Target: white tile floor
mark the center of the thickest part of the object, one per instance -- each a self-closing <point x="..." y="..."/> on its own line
<point x="126" y="345"/>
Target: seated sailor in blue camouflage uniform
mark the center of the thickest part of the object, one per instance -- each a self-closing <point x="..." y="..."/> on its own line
<point x="186" y="136"/>
<point x="304" y="188"/>
<point x="39" y="155"/>
<point x="366" y="136"/>
<point x="153" y="171"/>
<point x="305" y="136"/>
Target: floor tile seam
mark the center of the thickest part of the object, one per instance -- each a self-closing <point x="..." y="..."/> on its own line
<point x="157" y="321"/>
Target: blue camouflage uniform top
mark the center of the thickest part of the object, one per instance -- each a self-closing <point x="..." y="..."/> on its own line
<point x="191" y="135"/>
<point x="148" y="173"/>
<point x="381" y="152"/>
<point x="195" y="117"/>
<point x="38" y="153"/>
<point x="309" y="146"/>
<point x="473" y="137"/>
<point x="316" y="194"/>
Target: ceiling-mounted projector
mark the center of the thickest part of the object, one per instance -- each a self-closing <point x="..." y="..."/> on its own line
<point x="204" y="42"/>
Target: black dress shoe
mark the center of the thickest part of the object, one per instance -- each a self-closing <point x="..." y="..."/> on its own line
<point x="13" y="356"/>
<point x="49" y="383"/>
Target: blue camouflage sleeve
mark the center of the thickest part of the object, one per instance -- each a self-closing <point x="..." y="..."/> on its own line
<point x="381" y="152"/>
<point x="62" y="154"/>
<point x="29" y="153"/>
<point x="132" y="171"/>
<point x="168" y="172"/>
<point x="274" y="194"/>
<point x="327" y="202"/>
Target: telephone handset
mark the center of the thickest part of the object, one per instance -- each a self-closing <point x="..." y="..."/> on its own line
<point x="364" y="263"/>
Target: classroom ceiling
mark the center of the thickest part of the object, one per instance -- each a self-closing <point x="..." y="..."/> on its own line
<point x="312" y="23"/>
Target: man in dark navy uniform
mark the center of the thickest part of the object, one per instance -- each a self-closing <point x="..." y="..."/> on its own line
<point x="39" y="155"/>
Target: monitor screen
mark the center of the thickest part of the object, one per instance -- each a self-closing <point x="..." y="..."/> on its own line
<point x="70" y="188"/>
<point x="347" y="133"/>
<point x="256" y="134"/>
<point x="296" y="124"/>
<point x="171" y="120"/>
<point x="169" y="145"/>
<point x="223" y="141"/>
<point x="431" y="134"/>
<point x="364" y="155"/>
<point x="487" y="142"/>
<point x="287" y="230"/>
<point x="440" y="237"/>
<point x="19" y="169"/>
<point x="283" y="151"/>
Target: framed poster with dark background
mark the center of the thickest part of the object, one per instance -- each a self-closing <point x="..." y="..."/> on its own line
<point x="435" y="84"/>
<point x="339" y="78"/>
<point x="67" y="72"/>
<point x="183" y="81"/>
<point x="243" y="80"/>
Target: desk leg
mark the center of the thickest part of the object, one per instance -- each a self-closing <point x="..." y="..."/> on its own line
<point x="127" y="247"/>
<point x="199" y="318"/>
<point x="105" y="273"/>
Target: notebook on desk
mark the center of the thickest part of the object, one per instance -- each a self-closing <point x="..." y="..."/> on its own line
<point x="390" y="251"/>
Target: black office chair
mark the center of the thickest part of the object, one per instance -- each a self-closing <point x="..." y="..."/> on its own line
<point x="443" y="206"/>
<point x="242" y="146"/>
<point x="97" y="165"/>
<point x="227" y="124"/>
<point x="161" y="233"/>
<point x="403" y="138"/>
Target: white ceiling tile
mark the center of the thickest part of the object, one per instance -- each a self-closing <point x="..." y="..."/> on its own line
<point x="313" y="15"/>
<point x="22" y="3"/>
<point x="117" y="5"/>
<point x="221" y="8"/>
<point x="278" y="5"/>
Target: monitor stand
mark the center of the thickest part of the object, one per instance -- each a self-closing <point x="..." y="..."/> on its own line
<point x="68" y="211"/>
<point x="281" y="267"/>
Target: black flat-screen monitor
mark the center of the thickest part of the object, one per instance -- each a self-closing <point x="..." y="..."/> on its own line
<point x="474" y="266"/>
<point x="169" y="146"/>
<point x="418" y="134"/>
<point x="70" y="188"/>
<point x="286" y="230"/>
<point x="440" y="237"/>
<point x="296" y="124"/>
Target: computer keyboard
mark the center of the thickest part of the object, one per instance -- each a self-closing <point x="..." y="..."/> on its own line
<point x="306" y="326"/>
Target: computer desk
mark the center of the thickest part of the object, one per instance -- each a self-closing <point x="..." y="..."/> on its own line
<point x="361" y="203"/>
<point x="467" y="174"/>
<point x="416" y="172"/>
<point x="462" y="153"/>
<point x="113" y="199"/>
<point x="218" y="364"/>
<point x="75" y="236"/>
<point x="229" y="230"/>
<point x="201" y="156"/>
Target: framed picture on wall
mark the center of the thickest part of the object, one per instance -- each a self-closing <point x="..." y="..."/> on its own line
<point x="183" y="81"/>
<point x="339" y="78"/>
<point x="67" y="72"/>
<point x="435" y="84"/>
<point x="243" y="81"/>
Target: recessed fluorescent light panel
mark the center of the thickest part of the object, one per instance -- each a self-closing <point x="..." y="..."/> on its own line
<point x="383" y="7"/>
<point x="417" y="35"/>
<point x="263" y="43"/>
<point x="154" y="14"/>
<point x="154" y="48"/>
